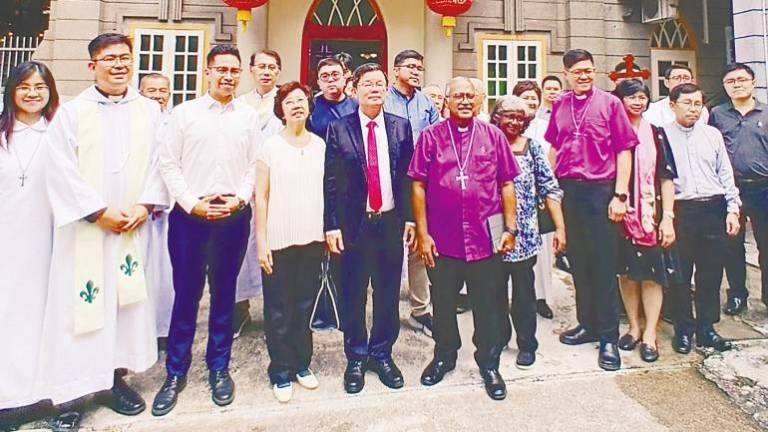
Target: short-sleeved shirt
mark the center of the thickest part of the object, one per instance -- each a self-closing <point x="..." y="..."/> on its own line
<point x="589" y="152"/>
<point x="326" y="111"/>
<point x="746" y="139"/>
<point x="456" y="217"/>
<point x="418" y="109"/>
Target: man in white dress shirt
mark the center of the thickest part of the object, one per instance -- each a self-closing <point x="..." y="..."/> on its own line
<point x="659" y="113"/>
<point x="208" y="163"/>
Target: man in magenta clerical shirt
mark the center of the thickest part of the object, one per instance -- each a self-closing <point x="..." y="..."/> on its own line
<point x="462" y="172"/>
<point x="592" y="139"/>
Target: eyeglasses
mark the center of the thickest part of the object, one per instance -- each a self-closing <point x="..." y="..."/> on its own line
<point x="222" y="70"/>
<point x="330" y="77"/>
<point x="733" y="81"/>
<point x="412" y="66"/>
<point x="512" y="115"/>
<point x="581" y="72"/>
<point x="264" y="66"/>
<point x="463" y="96"/>
<point x="698" y="106"/>
<point x="681" y="78"/>
<point x="112" y="61"/>
<point x="372" y="84"/>
<point x="25" y="89"/>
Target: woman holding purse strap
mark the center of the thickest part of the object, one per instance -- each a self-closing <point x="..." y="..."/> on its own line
<point x="536" y="180"/>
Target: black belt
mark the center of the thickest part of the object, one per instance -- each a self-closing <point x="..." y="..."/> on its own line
<point x="752" y="183"/>
<point x="703" y="200"/>
<point x="377" y="215"/>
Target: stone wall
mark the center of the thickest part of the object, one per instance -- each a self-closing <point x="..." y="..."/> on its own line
<point x="749" y="40"/>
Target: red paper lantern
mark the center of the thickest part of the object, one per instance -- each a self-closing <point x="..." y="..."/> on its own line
<point x="449" y="9"/>
<point x="244" y="9"/>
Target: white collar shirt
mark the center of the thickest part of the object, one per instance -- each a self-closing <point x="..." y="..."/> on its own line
<point x="382" y="153"/>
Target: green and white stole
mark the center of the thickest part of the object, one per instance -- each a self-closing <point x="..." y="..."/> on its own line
<point x="89" y="237"/>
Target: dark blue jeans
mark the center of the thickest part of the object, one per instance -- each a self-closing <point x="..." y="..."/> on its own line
<point x="593" y="242"/>
<point x="754" y="199"/>
<point x="201" y="248"/>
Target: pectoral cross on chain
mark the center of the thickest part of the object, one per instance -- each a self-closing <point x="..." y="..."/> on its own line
<point x="23" y="177"/>
<point x="462" y="178"/>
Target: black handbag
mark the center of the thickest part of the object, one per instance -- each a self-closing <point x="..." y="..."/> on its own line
<point x="325" y="313"/>
<point x="546" y="224"/>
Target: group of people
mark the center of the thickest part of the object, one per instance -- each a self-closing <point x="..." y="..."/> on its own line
<point x="121" y="209"/>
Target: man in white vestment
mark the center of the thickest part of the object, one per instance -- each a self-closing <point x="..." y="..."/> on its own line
<point x="99" y="319"/>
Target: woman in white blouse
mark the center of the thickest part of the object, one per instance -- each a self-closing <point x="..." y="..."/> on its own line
<point x="26" y="229"/>
<point x="289" y="238"/>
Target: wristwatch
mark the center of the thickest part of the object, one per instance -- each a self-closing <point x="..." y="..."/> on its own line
<point x="621" y="196"/>
<point x="512" y="231"/>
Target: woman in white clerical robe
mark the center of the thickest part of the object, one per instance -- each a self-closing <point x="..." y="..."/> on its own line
<point x="26" y="228"/>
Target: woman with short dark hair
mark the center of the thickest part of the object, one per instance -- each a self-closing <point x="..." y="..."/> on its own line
<point x="290" y="238"/>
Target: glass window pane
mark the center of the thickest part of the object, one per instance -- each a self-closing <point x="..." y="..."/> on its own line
<point x="491" y="52"/>
<point x="178" y="82"/>
<point x="143" y="62"/>
<point x="157" y="62"/>
<point x="191" y="82"/>
<point x="192" y="45"/>
<point x="491" y="102"/>
<point x="492" y="88"/>
<point x="503" y="70"/>
<point x="144" y="43"/>
<point x="520" y="70"/>
<point x="502" y="88"/>
<point x="502" y="52"/>
<point x="492" y="70"/>
<point x="178" y="98"/>
<point x="532" y="71"/>
<point x="180" y="43"/>
<point x="531" y="53"/>
<point x="192" y="63"/>
<point x="157" y="44"/>
<point x="521" y="53"/>
<point x="178" y="65"/>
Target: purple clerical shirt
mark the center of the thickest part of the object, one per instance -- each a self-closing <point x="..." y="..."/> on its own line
<point x="589" y="151"/>
<point x="456" y="217"/>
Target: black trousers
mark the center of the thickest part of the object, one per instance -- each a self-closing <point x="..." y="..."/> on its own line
<point x="200" y="248"/>
<point x="593" y="241"/>
<point x="523" y="306"/>
<point x="376" y="257"/>
<point x="482" y="278"/>
<point x="754" y="197"/>
<point x="701" y="242"/>
<point x="289" y="295"/>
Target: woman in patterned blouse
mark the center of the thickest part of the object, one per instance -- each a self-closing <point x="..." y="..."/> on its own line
<point x="536" y="182"/>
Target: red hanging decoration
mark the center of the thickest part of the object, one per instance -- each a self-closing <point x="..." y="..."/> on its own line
<point x="244" y="9"/>
<point x="449" y="9"/>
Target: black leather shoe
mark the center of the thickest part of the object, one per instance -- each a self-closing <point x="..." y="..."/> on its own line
<point x="494" y="384"/>
<point x="710" y="339"/>
<point x="388" y="372"/>
<point x="222" y="387"/>
<point x="64" y="422"/>
<point x="435" y="371"/>
<point x="627" y="342"/>
<point x="525" y="359"/>
<point x="577" y="336"/>
<point x="354" y="376"/>
<point x="124" y="400"/>
<point x="166" y="398"/>
<point x="543" y="309"/>
<point x="648" y="353"/>
<point x="609" y="358"/>
<point x="735" y="306"/>
<point x="682" y="342"/>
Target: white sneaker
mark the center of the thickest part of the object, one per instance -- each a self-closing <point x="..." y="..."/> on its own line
<point x="283" y="392"/>
<point x="307" y="379"/>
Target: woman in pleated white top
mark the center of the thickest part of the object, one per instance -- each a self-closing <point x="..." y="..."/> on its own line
<point x="289" y="238"/>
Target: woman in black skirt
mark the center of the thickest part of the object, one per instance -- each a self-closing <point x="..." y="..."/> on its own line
<point x="648" y="262"/>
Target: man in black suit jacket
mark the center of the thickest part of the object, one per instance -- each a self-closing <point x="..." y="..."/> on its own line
<point x="368" y="216"/>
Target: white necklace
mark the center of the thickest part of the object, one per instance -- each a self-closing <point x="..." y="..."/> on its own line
<point x="577" y="125"/>
<point x="23" y="177"/>
<point x="462" y="178"/>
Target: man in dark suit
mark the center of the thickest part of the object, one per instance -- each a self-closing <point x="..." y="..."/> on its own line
<point x="367" y="218"/>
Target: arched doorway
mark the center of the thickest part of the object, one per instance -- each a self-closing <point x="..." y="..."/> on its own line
<point x="355" y="27"/>
<point x="672" y="42"/>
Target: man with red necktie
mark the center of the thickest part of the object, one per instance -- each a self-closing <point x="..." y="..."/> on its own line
<point x="367" y="218"/>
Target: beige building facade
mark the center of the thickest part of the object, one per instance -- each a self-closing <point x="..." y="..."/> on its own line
<point x="500" y="41"/>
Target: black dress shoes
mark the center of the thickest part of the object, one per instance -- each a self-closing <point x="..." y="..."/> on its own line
<point x="627" y="342"/>
<point x="735" y="306"/>
<point x="388" y="372"/>
<point x="222" y="387"/>
<point x="525" y="359"/>
<point x="577" y="336"/>
<point x="494" y="384"/>
<point x="166" y="398"/>
<point x="609" y="358"/>
<point x="709" y="338"/>
<point x="543" y="309"/>
<point x="435" y="371"/>
<point x="648" y="353"/>
<point x="682" y="342"/>
<point x="354" y="376"/>
<point x="124" y="400"/>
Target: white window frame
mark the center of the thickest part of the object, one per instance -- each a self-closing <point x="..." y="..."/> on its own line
<point x="492" y="70"/>
<point x="168" y="55"/>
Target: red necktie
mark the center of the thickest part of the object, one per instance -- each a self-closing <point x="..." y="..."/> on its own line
<point x="374" y="183"/>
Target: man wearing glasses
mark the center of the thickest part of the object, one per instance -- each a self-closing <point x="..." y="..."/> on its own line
<point x="332" y="103"/>
<point x="743" y="121"/>
<point x="208" y="162"/>
<point x="405" y="100"/>
<point x="659" y="113"/>
<point x="592" y="140"/>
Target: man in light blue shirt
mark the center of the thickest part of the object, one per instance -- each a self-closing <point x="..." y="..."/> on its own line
<point x="405" y="100"/>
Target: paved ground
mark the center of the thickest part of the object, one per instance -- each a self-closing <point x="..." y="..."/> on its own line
<point x="566" y="391"/>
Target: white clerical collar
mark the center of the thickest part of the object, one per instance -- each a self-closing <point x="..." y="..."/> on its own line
<point x="40" y="126"/>
<point x="364" y="119"/>
<point x="584" y="95"/>
<point x="270" y="94"/>
<point x="685" y="129"/>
